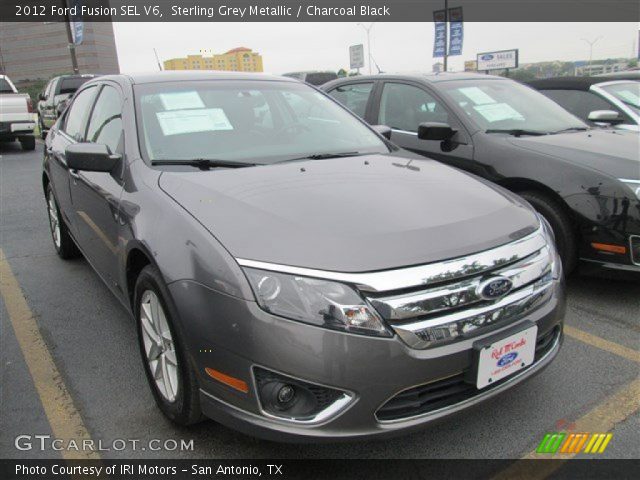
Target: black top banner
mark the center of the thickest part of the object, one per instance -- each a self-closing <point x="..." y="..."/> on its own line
<point x="317" y="10"/>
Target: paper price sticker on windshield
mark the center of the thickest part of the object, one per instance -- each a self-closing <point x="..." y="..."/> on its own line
<point x="181" y="100"/>
<point x="496" y="112"/>
<point x="177" y="122"/>
<point x="476" y="95"/>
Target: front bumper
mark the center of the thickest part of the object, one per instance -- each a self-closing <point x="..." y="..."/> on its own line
<point x="234" y="336"/>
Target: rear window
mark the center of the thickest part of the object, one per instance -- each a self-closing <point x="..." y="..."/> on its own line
<point x="70" y="85"/>
<point x="5" y="87"/>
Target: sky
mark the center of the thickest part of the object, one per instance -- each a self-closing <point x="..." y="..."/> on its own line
<point x="396" y="47"/>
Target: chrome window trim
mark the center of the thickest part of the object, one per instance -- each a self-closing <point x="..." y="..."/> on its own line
<point x="416" y="276"/>
<point x="597" y="88"/>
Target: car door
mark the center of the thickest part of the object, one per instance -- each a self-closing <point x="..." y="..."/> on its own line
<point x="70" y="130"/>
<point x="581" y="103"/>
<point x="355" y="96"/>
<point x="403" y="106"/>
<point x="96" y="195"/>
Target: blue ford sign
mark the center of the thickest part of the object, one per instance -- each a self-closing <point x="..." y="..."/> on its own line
<point x="494" y="287"/>
<point x="507" y="359"/>
<point x="501" y="60"/>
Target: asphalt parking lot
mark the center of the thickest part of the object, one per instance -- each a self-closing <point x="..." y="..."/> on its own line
<point x="68" y="353"/>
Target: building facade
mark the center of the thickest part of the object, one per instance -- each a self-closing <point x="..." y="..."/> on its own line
<point x="237" y="60"/>
<point x="31" y="51"/>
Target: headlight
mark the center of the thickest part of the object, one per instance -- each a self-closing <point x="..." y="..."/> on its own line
<point x="633" y="185"/>
<point x="556" y="263"/>
<point x="318" y="302"/>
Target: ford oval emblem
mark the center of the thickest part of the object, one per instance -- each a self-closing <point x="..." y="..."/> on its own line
<point x="494" y="287"/>
<point x="507" y="358"/>
<point x="486" y="57"/>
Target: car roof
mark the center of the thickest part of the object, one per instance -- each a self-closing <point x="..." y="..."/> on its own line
<point x="420" y="77"/>
<point x="191" y="75"/>
<point x="571" y="83"/>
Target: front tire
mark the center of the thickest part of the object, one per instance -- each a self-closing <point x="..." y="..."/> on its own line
<point x="171" y="378"/>
<point x="43" y="131"/>
<point x="561" y="224"/>
<point x="62" y="241"/>
<point x="28" y="143"/>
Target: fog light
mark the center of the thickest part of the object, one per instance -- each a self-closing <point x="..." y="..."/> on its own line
<point x="296" y="400"/>
<point x="286" y="394"/>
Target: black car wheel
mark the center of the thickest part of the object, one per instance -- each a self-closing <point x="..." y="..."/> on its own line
<point x="561" y="225"/>
<point x="171" y="378"/>
<point x="62" y="241"/>
<point x="28" y="143"/>
<point x="43" y="131"/>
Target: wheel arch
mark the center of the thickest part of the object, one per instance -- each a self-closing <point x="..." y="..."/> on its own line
<point x="517" y="185"/>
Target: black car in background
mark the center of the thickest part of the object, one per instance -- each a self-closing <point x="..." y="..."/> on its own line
<point x="613" y="100"/>
<point x="54" y="96"/>
<point x="584" y="181"/>
<point x="313" y="77"/>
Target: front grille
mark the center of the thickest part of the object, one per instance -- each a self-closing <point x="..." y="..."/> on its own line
<point x="449" y="391"/>
<point x="457" y="305"/>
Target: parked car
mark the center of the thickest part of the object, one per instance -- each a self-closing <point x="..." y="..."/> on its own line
<point x="291" y="272"/>
<point x="53" y="99"/>
<point x="598" y="101"/>
<point x="585" y="182"/>
<point x="16" y="115"/>
<point x="313" y="77"/>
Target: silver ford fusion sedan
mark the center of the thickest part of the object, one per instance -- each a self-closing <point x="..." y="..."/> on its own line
<point x="292" y="273"/>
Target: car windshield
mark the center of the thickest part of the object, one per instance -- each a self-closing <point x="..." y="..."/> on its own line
<point x="504" y="105"/>
<point x="627" y="92"/>
<point x="246" y="121"/>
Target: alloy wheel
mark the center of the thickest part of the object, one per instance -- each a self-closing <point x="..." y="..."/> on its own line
<point x="54" y="220"/>
<point x="159" y="346"/>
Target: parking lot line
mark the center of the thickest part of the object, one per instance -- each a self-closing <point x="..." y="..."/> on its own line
<point x="602" y="418"/>
<point x="62" y="415"/>
<point x="601" y="343"/>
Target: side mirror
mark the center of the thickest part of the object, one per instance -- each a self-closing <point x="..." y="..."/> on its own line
<point x="91" y="157"/>
<point x="604" y="116"/>
<point x="42" y="96"/>
<point x="435" y="131"/>
<point x="383" y="130"/>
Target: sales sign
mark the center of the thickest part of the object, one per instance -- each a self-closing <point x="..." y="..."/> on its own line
<point x="356" y="56"/>
<point x="76" y="23"/>
<point x="500" y="60"/>
<point x="440" y="40"/>
<point x="455" y="31"/>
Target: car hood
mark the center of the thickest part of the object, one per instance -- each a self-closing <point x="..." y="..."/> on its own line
<point x="614" y="152"/>
<point x="351" y="214"/>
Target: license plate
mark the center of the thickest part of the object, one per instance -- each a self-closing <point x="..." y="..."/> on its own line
<point x="506" y="356"/>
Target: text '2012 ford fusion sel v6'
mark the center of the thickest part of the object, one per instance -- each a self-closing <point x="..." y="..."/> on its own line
<point x="292" y="274"/>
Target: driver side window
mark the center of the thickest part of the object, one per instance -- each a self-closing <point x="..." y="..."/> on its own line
<point x="105" y="125"/>
<point x="404" y="107"/>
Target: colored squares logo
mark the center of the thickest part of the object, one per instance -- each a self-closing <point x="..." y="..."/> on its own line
<point x="574" y="443"/>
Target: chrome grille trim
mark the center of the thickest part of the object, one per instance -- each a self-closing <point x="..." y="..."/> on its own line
<point x="424" y="302"/>
<point x="432" y="273"/>
<point x="511" y="307"/>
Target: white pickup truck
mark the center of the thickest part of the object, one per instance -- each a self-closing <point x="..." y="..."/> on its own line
<point x="16" y="115"/>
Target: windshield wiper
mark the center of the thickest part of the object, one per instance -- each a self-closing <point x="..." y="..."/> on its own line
<point x="571" y="129"/>
<point x="516" y="132"/>
<point x="204" y="163"/>
<point x="325" y="156"/>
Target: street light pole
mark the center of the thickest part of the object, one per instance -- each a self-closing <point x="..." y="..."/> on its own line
<point x="368" y="30"/>
<point x="72" y="45"/>
<point x="591" y="44"/>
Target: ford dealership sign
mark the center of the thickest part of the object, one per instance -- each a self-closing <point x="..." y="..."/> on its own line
<point x="498" y="60"/>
